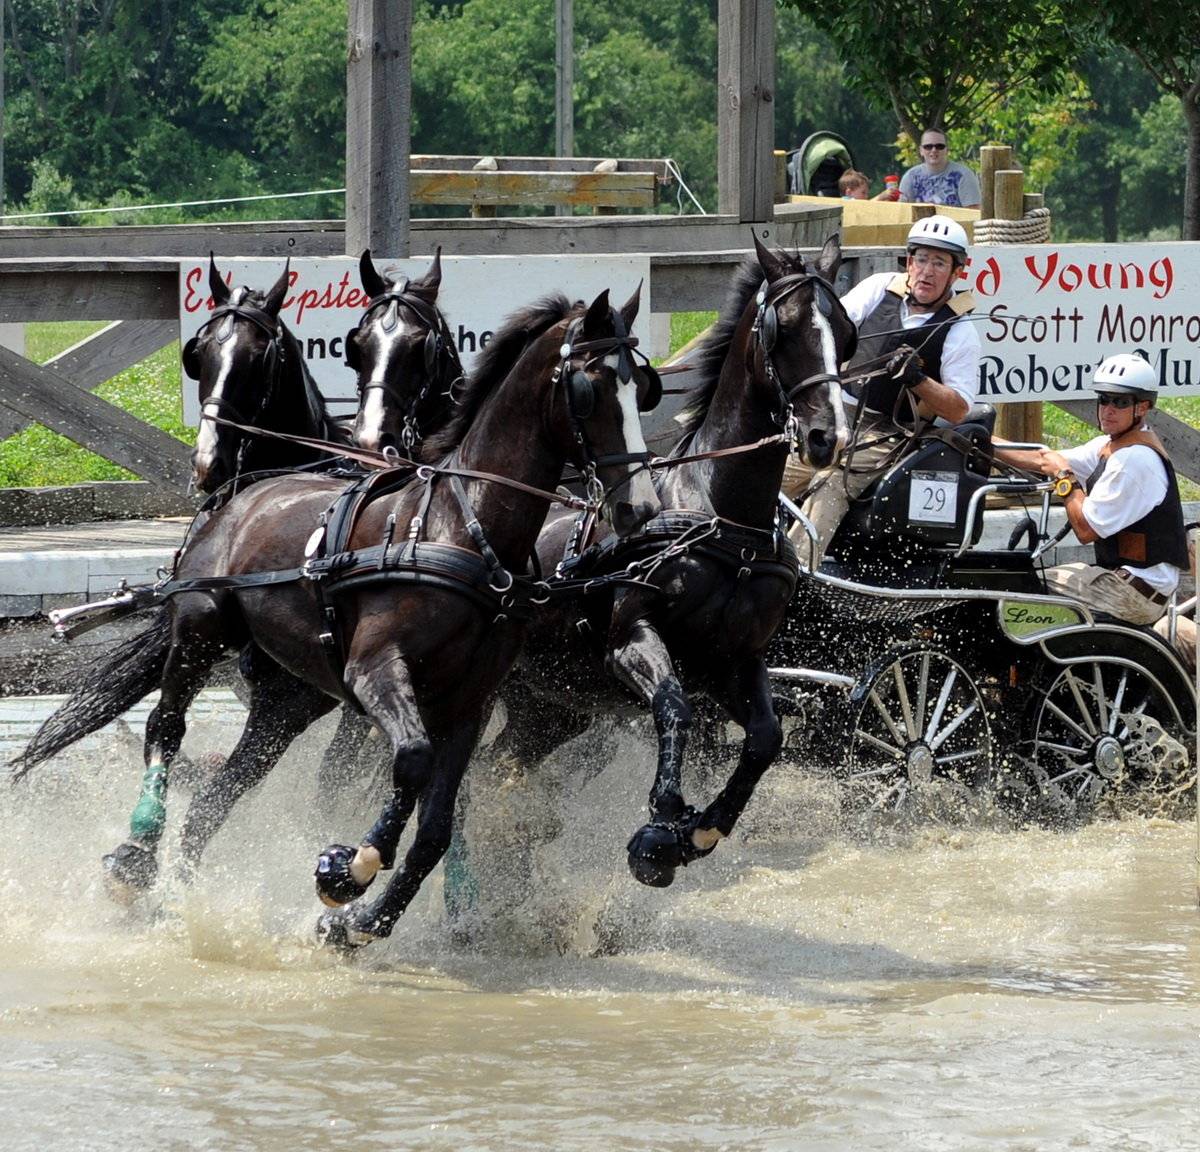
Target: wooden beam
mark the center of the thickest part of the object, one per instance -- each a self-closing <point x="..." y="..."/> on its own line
<point x="419" y="162"/>
<point x="378" y="105"/>
<point x="1179" y="438"/>
<point x="65" y="289"/>
<point x="746" y="108"/>
<point x="100" y="357"/>
<point x="39" y="394"/>
<point x="607" y="189"/>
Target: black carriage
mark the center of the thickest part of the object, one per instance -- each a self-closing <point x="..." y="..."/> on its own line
<point x="947" y="670"/>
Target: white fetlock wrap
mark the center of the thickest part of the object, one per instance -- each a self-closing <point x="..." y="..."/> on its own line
<point x="365" y="865"/>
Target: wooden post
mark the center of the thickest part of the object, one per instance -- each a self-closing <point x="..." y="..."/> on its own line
<point x="1032" y="200"/>
<point x="378" y="113"/>
<point x="564" y="85"/>
<point x="781" y="192"/>
<point x="1009" y="193"/>
<point x="746" y="108"/>
<point x="991" y="158"/>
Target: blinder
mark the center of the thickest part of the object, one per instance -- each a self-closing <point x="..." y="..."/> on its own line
<point x="353" y="358"/>
<point x="191" y="358"/>
<point x="654" y="388"/>
<point x="581" y="395"/>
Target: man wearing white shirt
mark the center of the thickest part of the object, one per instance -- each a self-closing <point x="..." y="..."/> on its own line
<point x="920" y="360"/>
<point x="1120" y="494"/>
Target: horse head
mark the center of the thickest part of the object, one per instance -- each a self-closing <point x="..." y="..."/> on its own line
<point x="802" y="336"/>
<point x="405" y="359"/>
<point x="602" y="395"/>
<point x="236" y="358"/>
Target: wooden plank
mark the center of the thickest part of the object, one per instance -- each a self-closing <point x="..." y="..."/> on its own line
<point x="100" y="357"/>
<point x="1180" y="439"/>
<point x="82" y="290"/>
<point x="544" y="164"/>
<point x="42" y="395"/>
<point x="610" y="189"/>
<point x="378" y="105"/>
<point x="114" y="348"/>
<point x="746" y="108"/>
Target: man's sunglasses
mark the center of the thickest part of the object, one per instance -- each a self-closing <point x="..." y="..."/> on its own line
<point x="1116" y="401"/>
<point x="934" y="147"/>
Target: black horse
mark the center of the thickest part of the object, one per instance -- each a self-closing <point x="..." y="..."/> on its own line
<point x="713" y="600"/>
<point x="417" y="634"/>
<point x="251" y="372"/>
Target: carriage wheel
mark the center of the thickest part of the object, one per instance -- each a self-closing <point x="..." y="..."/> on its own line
<point x="918" y="729"/>
<point x="1105" y="728"/>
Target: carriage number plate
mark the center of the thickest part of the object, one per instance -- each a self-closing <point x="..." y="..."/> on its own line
<point x="933" y="498"/>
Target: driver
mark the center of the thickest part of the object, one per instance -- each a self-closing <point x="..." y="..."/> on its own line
<point x="908" y="327"/>
<point x="1119" y="492"/>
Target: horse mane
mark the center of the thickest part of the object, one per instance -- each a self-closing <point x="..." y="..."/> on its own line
<point x="495" y="362"/>
<point x="712" y="352"/>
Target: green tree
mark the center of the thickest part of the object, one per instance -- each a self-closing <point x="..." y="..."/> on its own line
<point x="943" y="63"/>
<point x="1165" y="38"/>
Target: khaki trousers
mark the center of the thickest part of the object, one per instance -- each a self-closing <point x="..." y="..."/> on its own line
<point x="1102" y="590"/>
<point x="1185" y="638"/>
<point x="832" y="491"/>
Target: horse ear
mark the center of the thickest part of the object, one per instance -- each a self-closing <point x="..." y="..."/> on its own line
<point x="216" y="282"/>
<point x="773" y="268"/>
<point x="830" y="259"/>
<point x="373" y="284"/>
<point x="428" y="284"/>
<point x="274" y="300"/>
<point x="629" y="309"/>
<point x="597" y="312"/>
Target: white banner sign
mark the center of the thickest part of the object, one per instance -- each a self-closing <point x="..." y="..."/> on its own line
<point x="1049" y="313"/>
<point x="325" y="301"/>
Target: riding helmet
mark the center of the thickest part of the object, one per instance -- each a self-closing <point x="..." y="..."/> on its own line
<point x="1126" y="375"/>
<point x="939" y="232"/>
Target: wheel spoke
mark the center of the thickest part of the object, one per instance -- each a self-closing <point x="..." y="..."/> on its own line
<point x="1068" y="721"/>
<point x="1076" y="771"/>
<point x="922" y="690"/>
<point x="882" y="745"/>
<point x="954" y="757"/>
<point x="905" y="707"/>
<point x="1101" y="698"/>
<point x="1115" y="714"/>
<point x="946" y="732"/>
<point x="899" y="788"/>
<point x="1062" y="749"/>
<point x="886" y="716"/>
<point x="943" y="696"/>
<point x="1086" y="715"/>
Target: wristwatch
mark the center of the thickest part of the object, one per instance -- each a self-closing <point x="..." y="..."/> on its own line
<point x="1065" y="483"/>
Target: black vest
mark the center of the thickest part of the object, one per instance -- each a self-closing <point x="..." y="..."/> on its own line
<point x="879" y="335"/>
<point x="1157" y="538"/>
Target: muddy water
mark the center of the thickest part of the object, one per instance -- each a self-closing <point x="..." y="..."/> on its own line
<point x="798" y="989"/>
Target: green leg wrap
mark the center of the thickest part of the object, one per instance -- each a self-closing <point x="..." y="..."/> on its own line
<point x="461" y="889"/>
<point x="150" y="815"/>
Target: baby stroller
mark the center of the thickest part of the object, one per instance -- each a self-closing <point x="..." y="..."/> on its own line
<point x="813" y="168"/>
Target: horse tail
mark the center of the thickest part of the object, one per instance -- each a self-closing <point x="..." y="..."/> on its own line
<point x="109" y="688"/>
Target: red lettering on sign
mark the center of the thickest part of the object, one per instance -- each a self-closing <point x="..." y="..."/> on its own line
<point x="1103" y="276"/>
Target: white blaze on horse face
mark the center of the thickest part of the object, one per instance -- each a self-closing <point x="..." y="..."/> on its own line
<point x="205" y="455"/>
<point x="641" y="490"/>
<point x="829" y="356"/>
<point x="373" y="411"/>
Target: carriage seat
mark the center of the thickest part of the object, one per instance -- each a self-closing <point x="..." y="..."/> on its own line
<point x="924" y="496"/>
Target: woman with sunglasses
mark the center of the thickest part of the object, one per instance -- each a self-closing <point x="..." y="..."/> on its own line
<point x="1120" y="494"/>
<point x="938" y="179"/>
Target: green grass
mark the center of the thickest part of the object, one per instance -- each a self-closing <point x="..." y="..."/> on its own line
<point x="39" y="458"/>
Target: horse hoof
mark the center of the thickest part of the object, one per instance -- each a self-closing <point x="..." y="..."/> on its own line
<point x="654" y="854"/>
<point x="335" y="930"/>
<point x="129" y="870"/>
<point x="335" y="884"/>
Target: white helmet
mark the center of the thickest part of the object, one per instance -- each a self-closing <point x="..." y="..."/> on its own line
<point x="939" y="232"/>
<point x="1126" y="375"/>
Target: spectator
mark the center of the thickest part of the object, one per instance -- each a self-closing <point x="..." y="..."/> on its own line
<point x="1127" y="503"/>
<point x="854" y="185"/>
<point x="911" y="323"/>
<point x="939" y="180"/>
